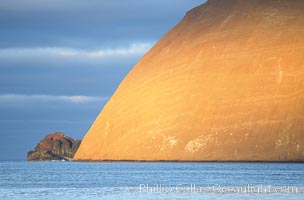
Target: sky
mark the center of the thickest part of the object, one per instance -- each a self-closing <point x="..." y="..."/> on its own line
<point x="61" y="60"/>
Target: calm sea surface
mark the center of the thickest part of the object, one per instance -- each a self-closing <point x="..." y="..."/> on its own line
<point x="157" y="180"/>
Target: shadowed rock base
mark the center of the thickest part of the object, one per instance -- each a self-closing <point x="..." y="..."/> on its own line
<point x="225" y="84"/>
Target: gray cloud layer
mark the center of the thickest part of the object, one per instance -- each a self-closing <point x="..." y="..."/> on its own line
<point x="17" y="98"/>
<point x="87" y="24"/>
<point x="71" y="56"/>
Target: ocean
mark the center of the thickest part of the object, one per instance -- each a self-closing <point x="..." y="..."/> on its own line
<point x="150" y="180"/>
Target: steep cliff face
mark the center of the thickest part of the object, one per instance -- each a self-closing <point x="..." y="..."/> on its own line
<point x="227" y="83"/>
<point x="54" y="146"/>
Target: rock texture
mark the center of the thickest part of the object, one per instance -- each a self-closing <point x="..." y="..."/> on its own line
<point x="54" y="146"/>
<point x="226" y="84"/>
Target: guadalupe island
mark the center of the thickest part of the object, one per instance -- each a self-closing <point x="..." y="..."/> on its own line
<point x="225" y="84"/>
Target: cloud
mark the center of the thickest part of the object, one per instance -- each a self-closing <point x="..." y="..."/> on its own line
<point x="133" y="49"/>
<point x="61" y="53"/>
<point x="106" y="6"/>
<point x="20" y="98"/>
<point x="86" y="24"/>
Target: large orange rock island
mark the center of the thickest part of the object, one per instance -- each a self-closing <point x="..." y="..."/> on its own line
<point x="225" y="84"/>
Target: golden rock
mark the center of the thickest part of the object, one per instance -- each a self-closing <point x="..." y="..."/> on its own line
<point x="225" y="84"/>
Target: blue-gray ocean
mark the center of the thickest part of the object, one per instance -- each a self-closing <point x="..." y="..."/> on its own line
<point x="155" y="180"/>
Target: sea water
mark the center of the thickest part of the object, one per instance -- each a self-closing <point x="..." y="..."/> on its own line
<point x="150" y="180"/>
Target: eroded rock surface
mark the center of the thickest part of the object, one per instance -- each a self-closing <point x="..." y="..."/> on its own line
<point x="56" y="146"/>
<point x="227" y="83"/>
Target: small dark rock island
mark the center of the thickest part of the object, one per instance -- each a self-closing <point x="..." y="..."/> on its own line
<point x="55" y="146"/>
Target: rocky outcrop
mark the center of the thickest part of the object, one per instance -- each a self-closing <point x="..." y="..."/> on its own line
<point x="56" y="146"/>
<point x="226" y="84"/>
